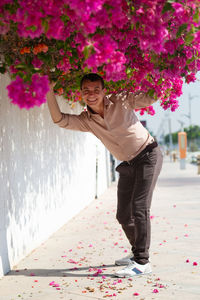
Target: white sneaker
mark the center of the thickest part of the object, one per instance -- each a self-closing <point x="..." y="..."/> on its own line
<point x="125" y="261"/>
<point x="134" y="269"/>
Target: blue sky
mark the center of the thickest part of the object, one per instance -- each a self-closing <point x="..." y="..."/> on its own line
<point x="159" y="123"/>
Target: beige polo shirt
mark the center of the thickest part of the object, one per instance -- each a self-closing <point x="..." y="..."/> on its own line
<point x="120" y="130"/>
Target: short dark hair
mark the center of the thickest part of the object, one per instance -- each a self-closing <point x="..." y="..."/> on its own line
<point x="92" y="77"/>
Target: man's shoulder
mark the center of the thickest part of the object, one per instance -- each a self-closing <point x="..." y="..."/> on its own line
<point x="113" y="97"/>
<point x="84" y="114"/>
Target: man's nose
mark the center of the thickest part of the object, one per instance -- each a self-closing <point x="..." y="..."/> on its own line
<point x="91" y="92"/>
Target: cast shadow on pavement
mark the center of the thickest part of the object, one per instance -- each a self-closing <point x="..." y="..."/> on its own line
<point x="70" y="272"/>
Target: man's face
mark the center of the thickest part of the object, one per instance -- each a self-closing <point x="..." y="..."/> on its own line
<point x="92" y="93"/>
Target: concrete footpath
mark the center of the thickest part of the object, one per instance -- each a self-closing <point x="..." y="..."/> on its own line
<point x="77" y="262"/>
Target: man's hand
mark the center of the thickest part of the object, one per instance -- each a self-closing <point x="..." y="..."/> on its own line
<point x="54" y="109"/>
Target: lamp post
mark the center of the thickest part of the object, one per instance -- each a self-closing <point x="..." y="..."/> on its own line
<point x="182" y="123"/>
<point x="189" y="116"/>
<point x="170" y="137"/>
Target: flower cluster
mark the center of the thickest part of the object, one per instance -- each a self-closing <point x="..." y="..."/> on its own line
<point x="149" y="45"/>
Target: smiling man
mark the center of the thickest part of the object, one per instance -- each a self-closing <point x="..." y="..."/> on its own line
<point x="93" y="93"/>
<point x="112" y="119"/>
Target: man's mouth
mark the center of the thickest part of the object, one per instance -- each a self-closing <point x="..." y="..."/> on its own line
<point x="93" y="100"/>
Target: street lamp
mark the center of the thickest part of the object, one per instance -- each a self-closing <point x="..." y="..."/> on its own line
<point x="189" y="116"/>
<point x="182" y="123"/>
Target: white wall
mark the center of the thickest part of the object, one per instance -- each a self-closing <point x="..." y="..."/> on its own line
<point x="47" y="175"/>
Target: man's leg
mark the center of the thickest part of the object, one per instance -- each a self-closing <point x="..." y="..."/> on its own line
<point x="134" y="210"/>
<point x="124" y="204"/>
<point x="146" y="173"/>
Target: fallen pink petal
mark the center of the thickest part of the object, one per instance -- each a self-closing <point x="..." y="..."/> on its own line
<point x="119" y="281"/>
<point x="195" y="263"/>
<point x="155" y="291"/>
<point x="71" y="261"/>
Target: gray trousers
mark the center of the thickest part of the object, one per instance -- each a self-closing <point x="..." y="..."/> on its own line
<point x="135" y="189"/>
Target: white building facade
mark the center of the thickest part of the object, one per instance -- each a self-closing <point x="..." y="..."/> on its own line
<point x="47" y="175"/>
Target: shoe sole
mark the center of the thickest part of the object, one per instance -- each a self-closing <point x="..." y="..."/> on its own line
<point x="121" y="264"/>
<point x="124" y="264"/>
<point x="128" y="276"/>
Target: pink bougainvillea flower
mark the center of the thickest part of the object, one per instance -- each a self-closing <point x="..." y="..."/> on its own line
<point x="153" y="47"/>
<point x="136" y="294"/>
<point x="155" y="291"/>
<point x="37" y="63"/>
<point x="27" y="95"/>
<point x="195" y="263"/>
<point x="187" y="261"/>
<point x="191" y="78"/>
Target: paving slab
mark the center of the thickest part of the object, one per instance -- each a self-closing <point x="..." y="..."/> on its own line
<point x="77" y="262"/>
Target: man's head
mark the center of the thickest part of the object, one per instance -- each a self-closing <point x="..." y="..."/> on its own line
<point x="92" y="89"/>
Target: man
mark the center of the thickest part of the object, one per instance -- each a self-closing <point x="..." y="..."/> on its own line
<point x="112" y="119"/>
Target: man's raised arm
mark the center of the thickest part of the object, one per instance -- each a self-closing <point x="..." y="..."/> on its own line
<point x="54" y="109"/>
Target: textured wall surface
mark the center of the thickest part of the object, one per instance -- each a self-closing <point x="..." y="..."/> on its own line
<point x="47" y="175"/>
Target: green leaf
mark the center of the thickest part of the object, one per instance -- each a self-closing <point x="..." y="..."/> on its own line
<point x="2" y="70"/>
<point x="45" y="57"/>
<point x="196" y="15"/>
<point x="181" y="29"/>
<point x="60" y="44"/>
<point x="33" y="28"/>
<point x="45" y="25"/>
<point x="86" y="70"/>
<point x="21" y="66"/>
<point x="87" y="51"/>
<point x="171" y="1"/>
<point x="189" y="38"/>
<point x="167" y="7"/>
<point x="188" y="61"/>
<point x="160" y="81"/>
<point x="151" y="92"/>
